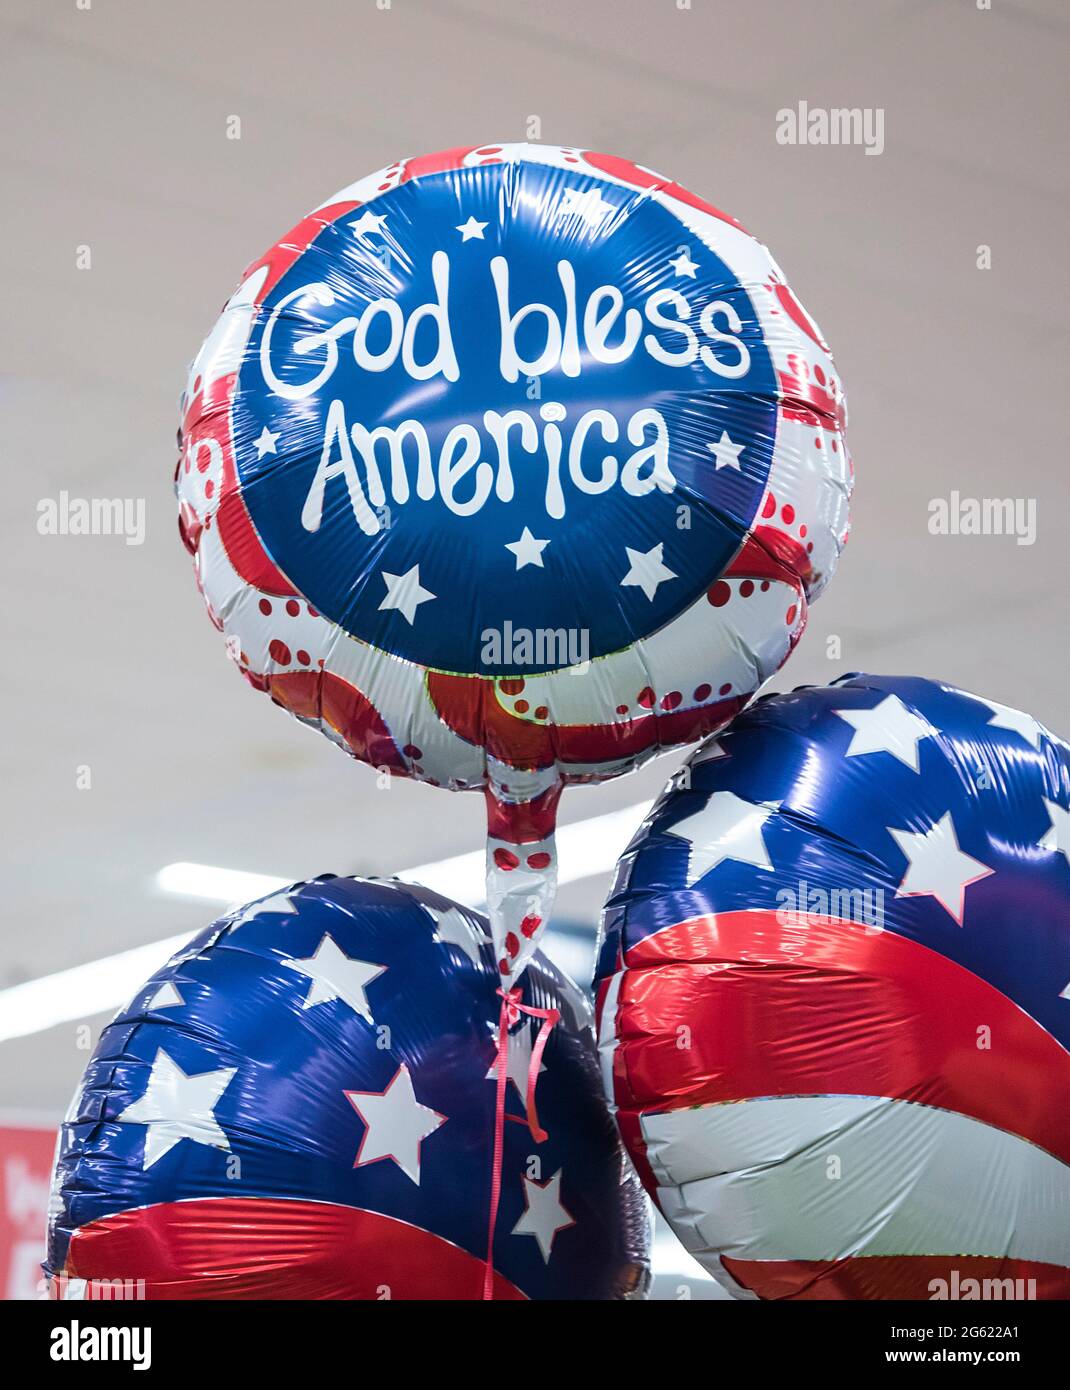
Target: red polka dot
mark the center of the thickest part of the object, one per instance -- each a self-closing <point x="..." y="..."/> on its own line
<point x="279" y="652"/>
<point x="541" y="712"/>
<point x="265" y="607"/>
<point x="726" y="688"/>
<point x="622" y="709"/>
<point x="539" y="860"/>
<point x="765" y="586"/>
<point x="203" y="460"/>
<point x="530" y="925"/>
<point x="646" y="698"/>
<point x="504" y="967"/>
<point x="506" y="859"/>
<point x="671" y="700"/>
<point x="810" y="548"/>
<point x="512" y="943"/>
<point x="703" y="692"/>
<point x="511" y="687"/>
<point x="770" y="506"/>
<point x="820" y="375"/>
<point x="719" y="594"/>
<point x="802" y="532"/>
<point x="746" y="588"/>
<point x="411" y="751"/>
<point x="817" y="441"/>
<point x="209" y="488"/>
<point x="293" y="607"/>
<point x="789" y="617"/>
<point x="788" y="513"/>
<point x="303" y="657"/>
<point x="835" y="447"/>
<point x="312" y="612"/>
<point x="521" y="706"/>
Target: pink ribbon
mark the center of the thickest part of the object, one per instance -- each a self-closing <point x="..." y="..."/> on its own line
<point x="511" y="1010"/>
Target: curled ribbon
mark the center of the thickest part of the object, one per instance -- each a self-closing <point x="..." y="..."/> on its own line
<point x="510" y="1013"/>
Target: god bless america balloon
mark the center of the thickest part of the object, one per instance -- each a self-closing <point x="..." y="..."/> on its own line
<point x="298" y="1106"/>
<point x="835" y="998"/>
<point x="507" y="467"/>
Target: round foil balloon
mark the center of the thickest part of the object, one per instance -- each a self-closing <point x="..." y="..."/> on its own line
<point x="506" y="468"/>
<point x="298" y="1106"/>
<point x="834" y="998"/>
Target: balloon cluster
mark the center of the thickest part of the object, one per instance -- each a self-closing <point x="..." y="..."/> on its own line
<point x="834" y="998"/>
<point x="508" y="468"/>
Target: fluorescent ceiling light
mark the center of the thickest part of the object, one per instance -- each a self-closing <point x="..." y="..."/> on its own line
<point x="216" y="885"/>
<point x="584" y="848"/>
<point x="97" y="987"/>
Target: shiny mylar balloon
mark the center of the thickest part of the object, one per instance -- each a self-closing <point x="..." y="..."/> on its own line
<point x="834" y="998"/>
<point x="298" y="1106"/>
<point x="506" y="468"/>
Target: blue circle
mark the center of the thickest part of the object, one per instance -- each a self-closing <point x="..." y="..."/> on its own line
<point x="398" y="553"/>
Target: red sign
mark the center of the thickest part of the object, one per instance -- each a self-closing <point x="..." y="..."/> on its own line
<point x="25" y="1169"/>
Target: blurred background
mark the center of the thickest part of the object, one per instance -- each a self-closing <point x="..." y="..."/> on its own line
<point x="935" y="268"/>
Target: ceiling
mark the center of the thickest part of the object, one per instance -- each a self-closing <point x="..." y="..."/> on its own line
<point x="115" y="138"/>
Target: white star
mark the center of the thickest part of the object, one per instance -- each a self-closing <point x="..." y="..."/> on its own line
<point x="544" y="1215"/>
<point x="367" y="222"/>
<point x="452" y="928"/>
<point x="527" y="549"/>
<point x="265" y="443"/>
<point x="335" y="975"/>
<point x="176" y="1106"/>
<point x="278" y="902"/>
<point x="471" y="229"/>
<point x="166" y="997"/>
<point x="726" y="452"/>
<point x="889" y="727"/>
<point x="517" y="1061"/>
<point x="587" y="204"/>
<point x="936" y="867"/>
<point x="1016" y="721"/>
<point x="405" y="593"/>
<point x="1057" y="837"/>
<point x="396" y="1124"/>
<point x="727" y="827"/>
<point x="647" y="570"/>
<point x="684" y="265"/>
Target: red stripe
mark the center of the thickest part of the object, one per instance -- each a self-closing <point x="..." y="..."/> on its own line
<point x="772" y="1009"/>
<point x="899" y="1276"/>
<point x="270" y="1248"/>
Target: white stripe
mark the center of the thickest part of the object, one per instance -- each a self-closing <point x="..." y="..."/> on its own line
<point x="826" y="1177"/>
<point x="608" y="1040"/>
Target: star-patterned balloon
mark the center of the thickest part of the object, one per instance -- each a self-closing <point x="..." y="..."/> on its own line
<point x="506" y="468"/>
<point x="834" y="996"/>
<point x="302" y="1104"/>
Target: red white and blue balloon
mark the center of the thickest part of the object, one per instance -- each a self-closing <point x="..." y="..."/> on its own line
<point x="298" y="1106"/>
<point x="834" y="998"/>
<point x="506" y="468"/>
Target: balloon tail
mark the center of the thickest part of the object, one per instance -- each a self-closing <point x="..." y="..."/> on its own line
<point x="521" y="873"/>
